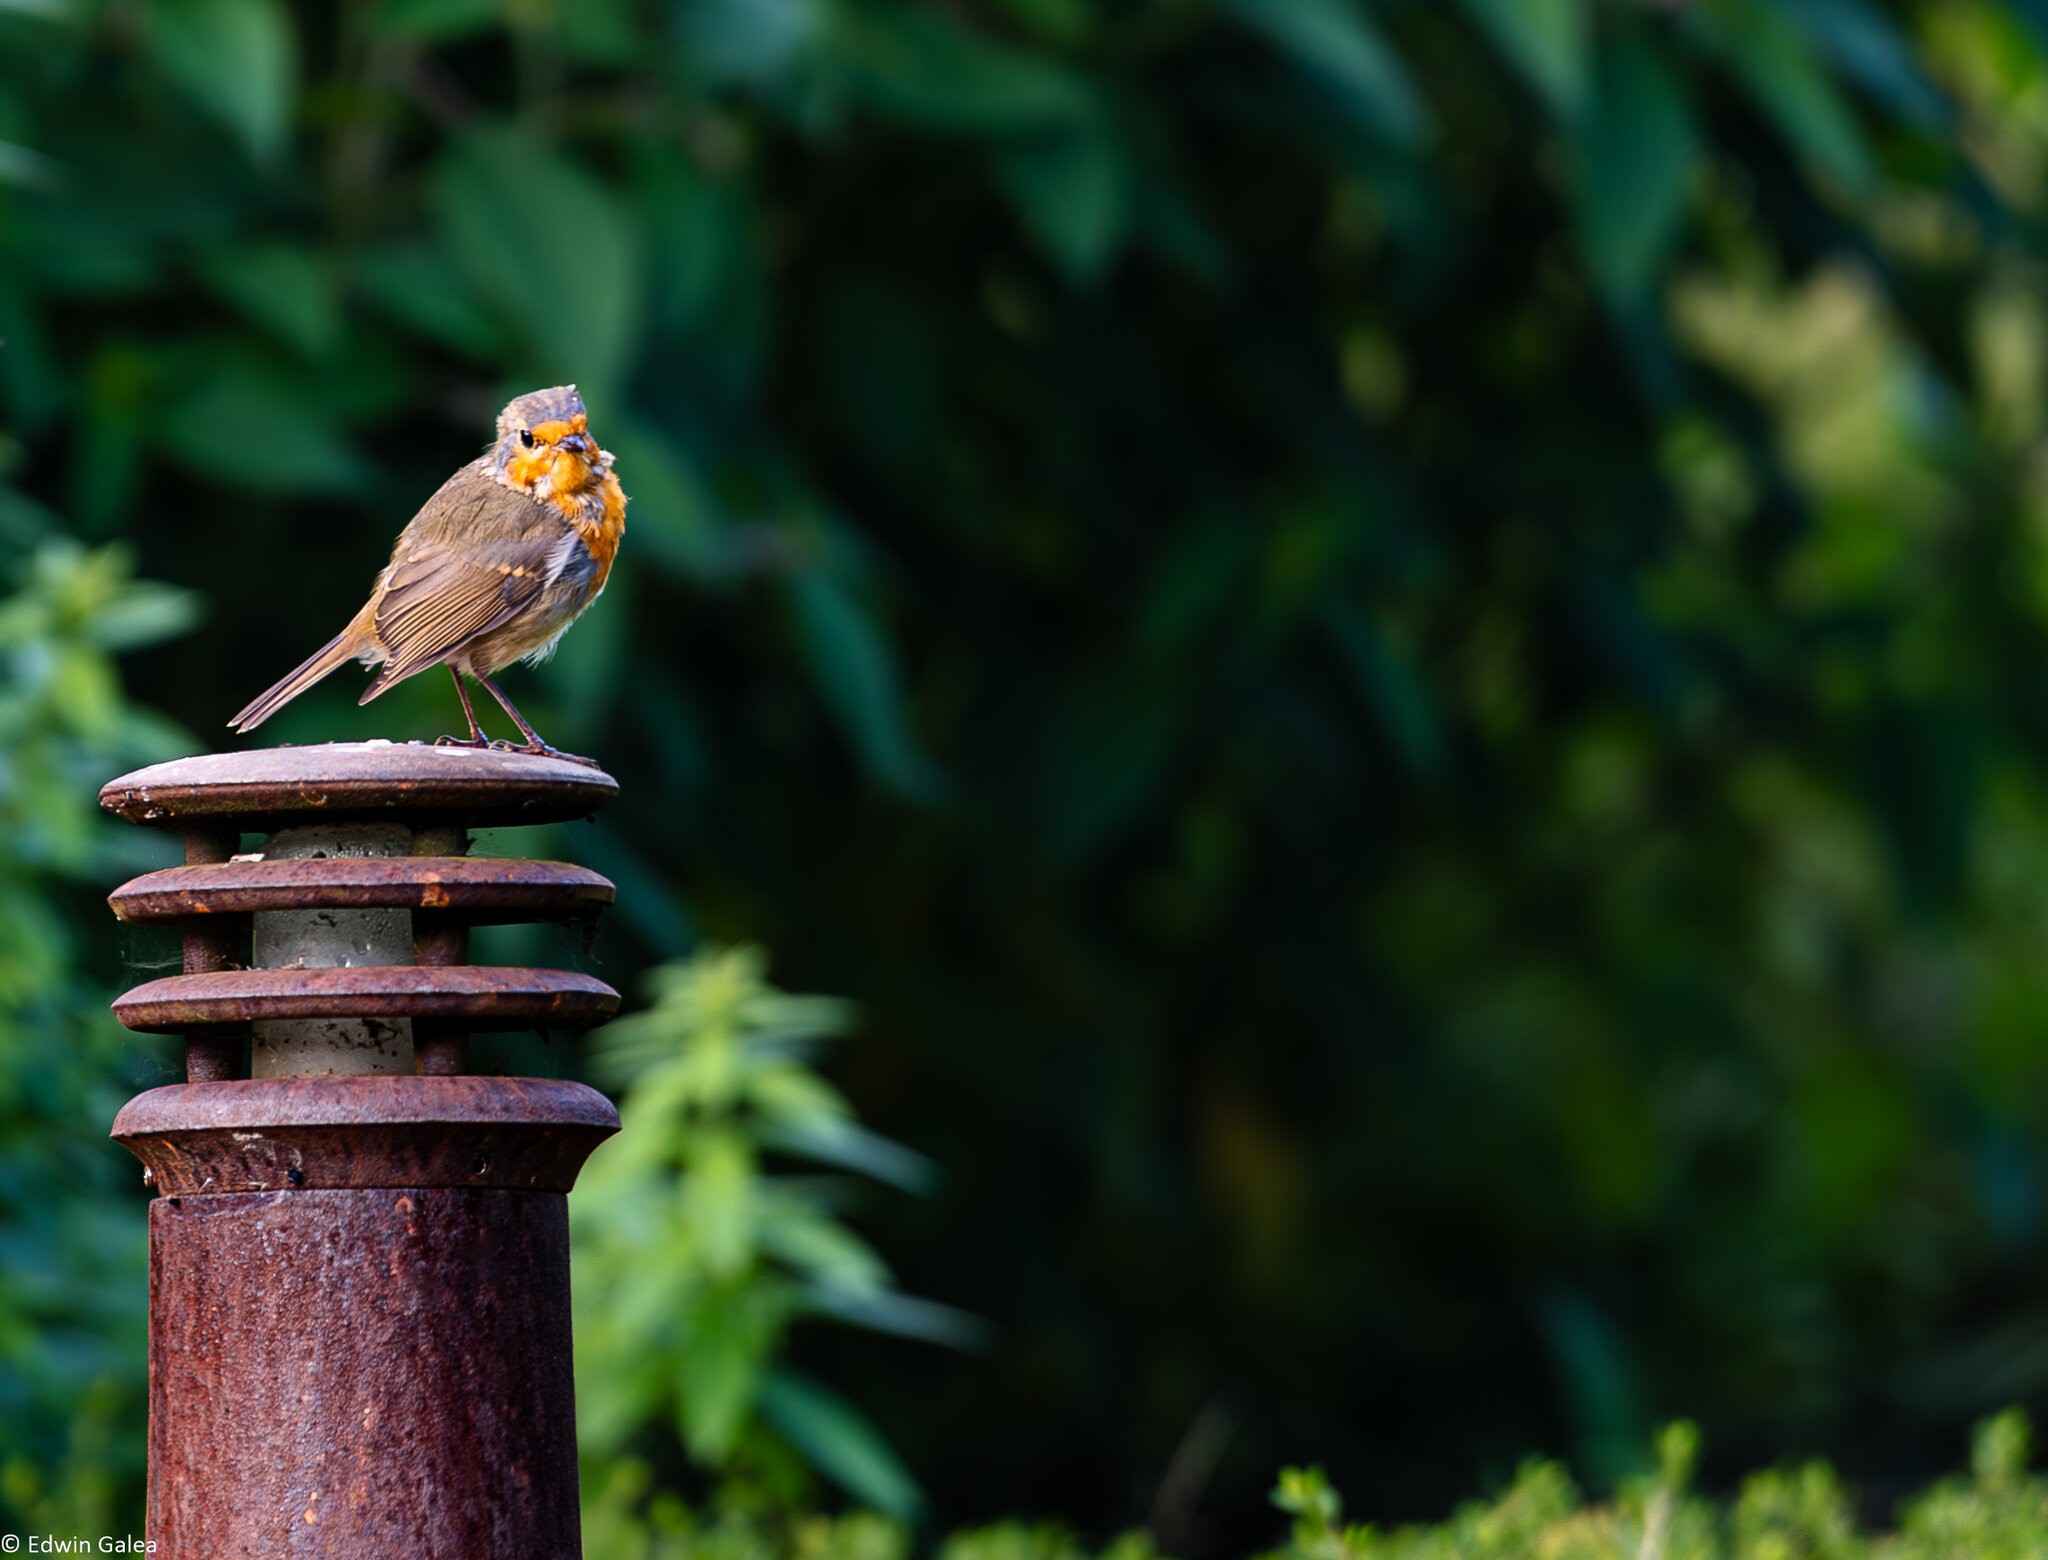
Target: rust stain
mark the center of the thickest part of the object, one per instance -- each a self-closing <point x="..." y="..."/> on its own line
<point x="313" y="1134"/>
<point x="481" y="890"/>
<point x="359" y="1286"/>
<point x="369" y="779"/>
<point x="478" y="996"/>
<point x="414" y="1396"/>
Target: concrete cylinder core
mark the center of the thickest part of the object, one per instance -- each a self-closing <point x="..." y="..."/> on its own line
<point x="325" y="939"/>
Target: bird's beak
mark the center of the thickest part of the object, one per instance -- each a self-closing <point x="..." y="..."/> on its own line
<point x="576" y="442"/>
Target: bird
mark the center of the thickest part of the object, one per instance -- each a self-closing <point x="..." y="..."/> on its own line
<point x="492" y="570"/>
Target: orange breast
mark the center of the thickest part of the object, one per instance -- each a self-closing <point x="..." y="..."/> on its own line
<point x="601" y="524"/>
<point x="587" y="494"/>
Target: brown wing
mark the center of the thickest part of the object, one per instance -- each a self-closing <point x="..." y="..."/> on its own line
<point x="474" y="556"/>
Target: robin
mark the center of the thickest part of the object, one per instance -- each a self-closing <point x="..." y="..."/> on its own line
<point x="490" y="571"/>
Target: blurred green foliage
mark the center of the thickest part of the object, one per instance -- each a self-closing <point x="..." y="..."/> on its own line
<point x="73" y="1285"/>
<point x="1998" y="1512"/>
<point x="694" y="1263"/>
<point x="1395" y="644"/>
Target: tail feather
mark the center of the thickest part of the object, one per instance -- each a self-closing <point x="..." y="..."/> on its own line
<point x="344" y="646"/>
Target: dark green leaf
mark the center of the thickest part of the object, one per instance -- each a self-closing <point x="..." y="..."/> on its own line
<point x="1334" y="41"/>
<point x="905" y="1316"/>
<point x="555" y="255"/>
<point x="1074" y="193"/>
<point x="1204" y="565"/>
<point x="1546" y="40"/>
<point x="416" y="285"/>
<point x="25" y="167"/>
<point x="758" y="42"/>
<point x="2034" y="15"/>
<point x="237" y="60"/>
<point x="1390" y="689"/>
<point x="22" y="519"/>
<point x="1771" y="59"/>
<point x="144" y="614"/>
<point x="856" y="672"/>
<point x="672" y="514"/>
<point x="257" y="432"/>
<point x="835" y="1436"/>
<point x="851" y="1146"/>
<point x="880" y="366"/>
<point x="924" y="67"/>
<point x="435" y="21"/>
<point x="288" y="290"/>
<point x="1061" y="21"/>
<point x="1633" y="172"/>
<point x="704" y="245"/>
<point x="1866" y="46"/>
<point x="1103" y="759"/>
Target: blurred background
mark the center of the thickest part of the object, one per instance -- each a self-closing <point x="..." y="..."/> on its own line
<point x="1397" y="651"/>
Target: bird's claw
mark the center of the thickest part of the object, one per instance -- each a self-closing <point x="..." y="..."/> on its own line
<point x="538" y="749"/>
<point x="463" y="742"/>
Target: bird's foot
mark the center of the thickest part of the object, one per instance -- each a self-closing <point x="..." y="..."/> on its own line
<point x="539" y="749"/>
<point x="478" y="741"/>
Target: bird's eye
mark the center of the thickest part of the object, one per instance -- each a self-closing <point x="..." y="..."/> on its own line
<point x="526" y="437"/>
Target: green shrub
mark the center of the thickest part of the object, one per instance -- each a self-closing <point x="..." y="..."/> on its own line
<point x="1998" y="1512"/>
<point x="73" y="1284"/>
<point x="693" y="1261"/>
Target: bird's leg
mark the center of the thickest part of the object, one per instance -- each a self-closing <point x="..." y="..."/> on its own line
<point x="533" y="742"/>
<point x="476" y="737"/>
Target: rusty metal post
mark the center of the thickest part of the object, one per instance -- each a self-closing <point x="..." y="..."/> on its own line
<point x="359" y="1279"/>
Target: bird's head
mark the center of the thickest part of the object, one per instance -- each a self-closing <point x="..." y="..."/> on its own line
<point x="544" y="445"/>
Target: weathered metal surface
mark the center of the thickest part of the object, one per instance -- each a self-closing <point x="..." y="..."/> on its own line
<point x="274" y="1134"/>
<point x="361" y="1374"/>
<point x="270" y="786"/>
<point x="440" y="942"/>
<point x="483" y="997"/>
<point x="216" y="1051"/>
<point x="359" y="1285"/>
<point x="477" y="889"/>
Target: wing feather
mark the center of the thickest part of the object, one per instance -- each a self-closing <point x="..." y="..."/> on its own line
<point x="473" y="557"/>
<point x="436" y="605"/>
